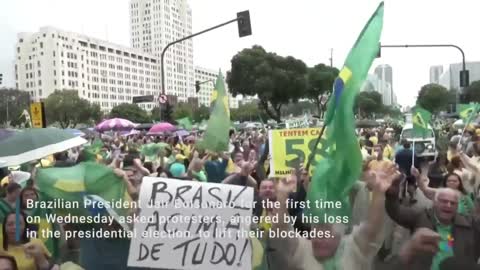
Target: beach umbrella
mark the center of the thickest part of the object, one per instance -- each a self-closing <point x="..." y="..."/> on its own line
<point x="31" y="144"/>
<point x="115" y="124"/>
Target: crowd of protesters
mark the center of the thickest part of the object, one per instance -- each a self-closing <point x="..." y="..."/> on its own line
<point x="397" y="196"/>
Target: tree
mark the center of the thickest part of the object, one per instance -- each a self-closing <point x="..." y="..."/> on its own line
<point x="274" y="79"/>
<point x="155" y="114"/>
<point x="68" y="109"/>
<point x="433" y="98"/>
<point x="131" y="112"/>
<point x="17" y="102"/>
<point x="201" y="113"/>
<point x="248" y="112"/>
<point x="182" y="110"/>
<point x="320" y="80"/>
<point x="368" y="103"/>
<point x="473" y="92"/>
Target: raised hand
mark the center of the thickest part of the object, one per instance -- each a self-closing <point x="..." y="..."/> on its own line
<point x="384" y="178"/>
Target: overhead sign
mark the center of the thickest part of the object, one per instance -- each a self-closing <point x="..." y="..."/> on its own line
<point x="140" y="99"/>
<point x="292" y="147"/>
<point x="192" y="225"/>
<point x="37" y="112"/>
<point x="162" y="99"/>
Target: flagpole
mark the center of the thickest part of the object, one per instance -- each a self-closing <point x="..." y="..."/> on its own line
<point x="413" y="153"/>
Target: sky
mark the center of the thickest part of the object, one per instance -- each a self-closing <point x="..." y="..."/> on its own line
<point x="304" y="29"/>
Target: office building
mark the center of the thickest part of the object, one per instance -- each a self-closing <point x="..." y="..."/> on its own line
<point x="154" y="24"/>
<point x="435" y="73"/>
<point x="450" y="78"/>
<point x="208" y="78"/>
<point x="102" y="72"/>
<point x="375" y="84"/>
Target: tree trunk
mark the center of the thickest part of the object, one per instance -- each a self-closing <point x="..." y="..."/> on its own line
<point x="266" y="108"/>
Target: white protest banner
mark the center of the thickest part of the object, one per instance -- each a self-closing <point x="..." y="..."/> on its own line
<point x="192" y="225"/>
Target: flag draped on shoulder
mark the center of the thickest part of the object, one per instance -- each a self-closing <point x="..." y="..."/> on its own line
<point x="421" y="119"/>
<point x="334" y="175"/>
<point x="216" y="134"/>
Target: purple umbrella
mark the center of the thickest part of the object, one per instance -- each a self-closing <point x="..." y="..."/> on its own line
<point x="182" y="133"/>
<point x="161" y="128"/>
<point x="116" y="124"/>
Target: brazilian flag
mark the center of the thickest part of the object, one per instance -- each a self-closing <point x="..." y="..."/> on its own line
<point x="340" y="168"/>
<point x="84" y="181"/>
<point x="467" y="112"/>
<point x="420" y="119"/>
<point x="218" y="125"/>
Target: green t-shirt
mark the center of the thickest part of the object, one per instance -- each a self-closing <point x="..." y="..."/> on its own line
<point x="446" y="245"/>
<point x="465" y="205"/>
<point x="200" y="176"/>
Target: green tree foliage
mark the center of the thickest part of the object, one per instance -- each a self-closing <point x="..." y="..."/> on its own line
<point x="167" y="112"/>
<point x="67" y="109"/>
<point x="17" y="102"/>
<point x="248" y="112"/>
<point x="182" y="110"/>
<point x="320" y="80"/>
<point x="299" y="109"/>
<point x="201" y="113"/>
<point x="274" y="79"/>
<point x="131" y="112"/>
<point x="473" y="92"/>
<point x="155" y="114"/>
<point x="369" y="103"/>
<point x="433" y="98"/>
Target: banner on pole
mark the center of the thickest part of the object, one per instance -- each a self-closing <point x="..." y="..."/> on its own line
<point x="291" y="147"/>
<point x="192" y="225"/>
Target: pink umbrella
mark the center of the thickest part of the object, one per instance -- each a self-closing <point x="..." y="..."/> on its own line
<point x="115" y="124"/>
<point x="161" y="128"/>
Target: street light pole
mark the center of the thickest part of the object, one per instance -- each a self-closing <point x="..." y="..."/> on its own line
<point x="464" y="75"/>
<point x="183" y="39"/>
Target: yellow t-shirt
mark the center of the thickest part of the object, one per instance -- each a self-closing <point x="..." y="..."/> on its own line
<point x="378" y="165"/>
<point x="374" y="140"/>
<point x="388" y="152"/>
<point x="23" y="261"/>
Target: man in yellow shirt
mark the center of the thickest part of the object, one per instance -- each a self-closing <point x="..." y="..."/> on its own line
<point x="388" y="152"/>
<point x="379" y="163"/>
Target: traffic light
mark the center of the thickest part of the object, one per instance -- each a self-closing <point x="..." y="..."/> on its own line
<point x="197" y="86"/>
<point x="379" y="54"/>
<point x="1" y="78"/>
<point x="244" y="26"/>
<point x="464" y="78"/>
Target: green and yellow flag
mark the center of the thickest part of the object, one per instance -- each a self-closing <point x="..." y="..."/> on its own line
<point x="421" y="119"/>
<point x="216" y="134"/>
<point x="467" y="112"/>
<point x="336" y="173"/>
<point x="87" y="180"/>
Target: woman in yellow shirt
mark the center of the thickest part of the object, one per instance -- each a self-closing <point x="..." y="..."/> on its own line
<point x="30" y="254"/>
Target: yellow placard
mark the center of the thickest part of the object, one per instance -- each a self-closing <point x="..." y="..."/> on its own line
<point x="291" y="147"/>
<point x="36" y="112"/>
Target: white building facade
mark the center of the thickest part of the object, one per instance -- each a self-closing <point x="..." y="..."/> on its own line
<point x="450" y="79"/>
<point x="376" y="84"/>
<point x="102" y="72"/>
<point x="154" y="24"/>
<point x="435" y="73"/>
<point x="204" y="96"/>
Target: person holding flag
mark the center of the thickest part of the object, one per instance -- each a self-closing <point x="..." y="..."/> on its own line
<point x="334" y="177"/>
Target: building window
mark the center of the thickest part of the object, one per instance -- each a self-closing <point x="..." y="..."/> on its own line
<point x="39" y="73"/>
<point x="38" y="63"/>
<point x="55" y="82"/>
<point x="39" y="83"/>
<point x="41" y="45"/>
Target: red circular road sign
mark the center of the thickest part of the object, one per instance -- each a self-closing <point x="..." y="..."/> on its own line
<point x="162" y="99"/>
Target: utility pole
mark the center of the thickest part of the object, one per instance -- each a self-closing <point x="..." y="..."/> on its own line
<point x="331" y="57"/>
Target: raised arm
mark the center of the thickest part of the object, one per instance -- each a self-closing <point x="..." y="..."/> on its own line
<point x="422" y="181"/>
<point x="404" y="216"/>
<point x="369" y="236"/>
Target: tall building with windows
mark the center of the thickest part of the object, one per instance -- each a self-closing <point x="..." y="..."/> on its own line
<point x="435" y="74"/>
<point x="385" y="76"/>
<point x="451" y="75"/>
<point x="102" y="72"/>
<point x="209" y="77"/>
<point x="154" y="24"/>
